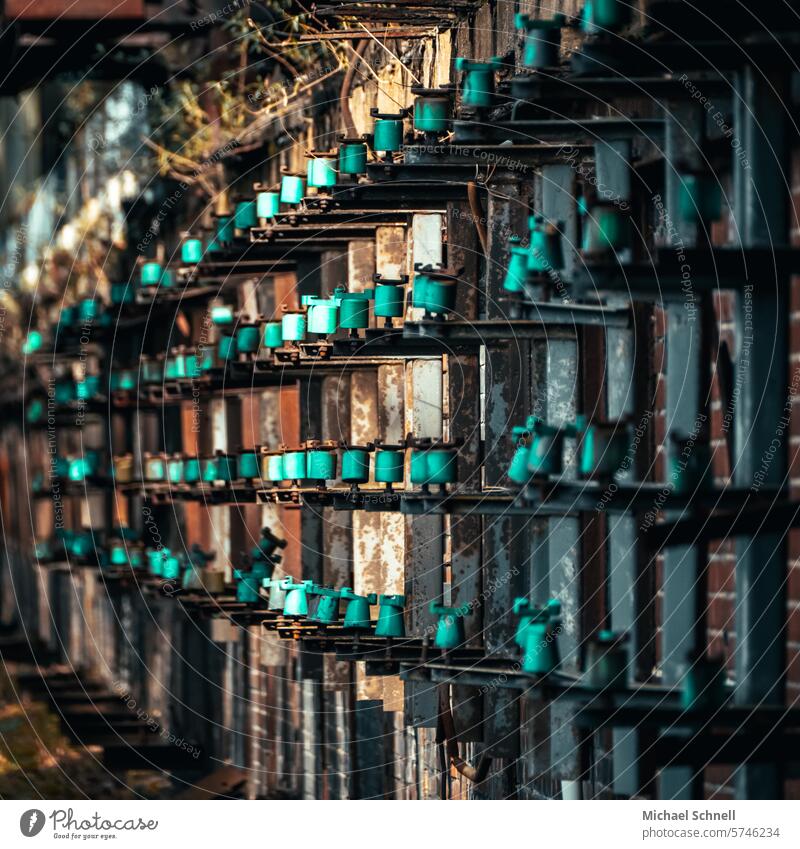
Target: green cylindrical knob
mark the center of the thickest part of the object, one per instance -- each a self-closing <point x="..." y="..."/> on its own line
<point x="293" y="327"/>
<point x="542" y="40"/>
<point x="442" y="465"/>
<point x="355" y="465"/>
<point x="322" y="315"/>
<point x="245" y="215"/>
<point x="390" y="617"/>
<point x="431" y="114"/>
<point x="249" y="465"/>
<point x="154" y="468"/>
<point x="191" y="470"/>
<point x="274" y="467"/>
<point x="248" y="339"/>
<point x="419" y="467"/>
<point x="389" y="466"/>
<point x="320" y="465"/>
<point x="192" y="251"/>
<point x="175" y="469"/>
<point x="517" y="271"/>
<point x="450" y="632"/>
<point x="226" y="348"/>
<point x="387" y="135"/>
<point x="390" y="301"/>
<point x="352" y="157"/>
<point x="151" y="274"/>
<point x="294" y="466"/>
<point x="357" y="616"/>
<point x="268" y="204"/>
<point x="273" y="334"/>
<point x="292" y="189"/>
<point x="296" y="601"/>
<point x="353" y="310"/>
<point x="478" y="88"/>
<point x="321" y="172"/>
<point x="225" y="229"/>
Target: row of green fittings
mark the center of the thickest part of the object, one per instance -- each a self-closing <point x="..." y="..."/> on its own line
<point x="80" y="468"/>
<point x="305" y="599"/>
<point x="387" y="130"/>
<point x="435" y="289"/>
<point x="540" y="449"/>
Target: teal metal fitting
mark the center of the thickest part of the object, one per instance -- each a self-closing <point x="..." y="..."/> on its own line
<point x="225" y="229"/>
<point x="296" y="601"/>
<point x="175" y="465"/>
<point x="540" y="652"/>
<point x="244" y="216"/>
<point x="545" y="253"/>
<point x="387" y="131"/>
<point x="390" y="617"/>
<point x="292" y="189"/>
<point x="268" y="204"/>
<point x="277" y="594"/>
<point x="517" y="269"/>
<point x="155" y="467"/>
<point x="606" y="662"/>
<point x="226" y="348"/>
<point x="222" y="315"/>
<point x="606" y="229"/>
<point x="249" y="465"/>
<point x="478" y="87"/>
<point x="542" y="40"/>
<point x="603" y="16"/>
<point x="248" y="585"/>
<point x="389" y="465"/>
<point x="248" y="338"/>
<point x="390" y="297"/>
<point x="355" y="464"/>
<point x="518" y="470"/>
<point x="152" y="369"/>
<point x="175" y="365"/>
<point x="546" y="451"/>
<point x="357" y="615"/>
<point x="151" y="274"/>
<point x="604" y="448"/>
<point x="435" y="290"/>
<point x="294" y="466"/>
<point x="691" y="466"/>
<point x="293" y="326"/>
<point x="353" y="308"/>
<point x="320" y="462"/>
<point x="323" y="604"/>
<point x="192" y="251"/>
<point x="352" y="156"/>
<point x="274" y="470"/>
<point x="450" y="631"/>
<point x="273" y="335"/>
<point x="431" y="111"/>
<point x="191" y="470"/>
<point x="88" y="388"/>
<point x="322" y="314"/>
<point x="321" y="172"/>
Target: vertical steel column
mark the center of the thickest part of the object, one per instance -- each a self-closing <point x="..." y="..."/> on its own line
<point x="762" y="200"/>
<point x="684" y="589"/>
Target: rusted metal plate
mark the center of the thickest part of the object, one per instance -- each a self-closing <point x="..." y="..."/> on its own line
<point x="83" y="10"/>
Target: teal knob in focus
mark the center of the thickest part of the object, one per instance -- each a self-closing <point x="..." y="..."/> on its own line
<point x="352" y="156"/>
<point x="540" y="649"/>
<point x="273" y="335"/>
<point x="292" y="189"/>
<point x="357" y="614"/>
<point x="390" y="617"/>
<point x="268" y="204"/>
<point x="244" y="216"/>
<point x="192" y="251"/>
<point x="296" y="601"/>
<point x="151" y="274"/>
<point x="321" y="172"/>
<point x="355" y="465"/>
<point x="323" y="604"/>
<point x="450" y="631"/>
